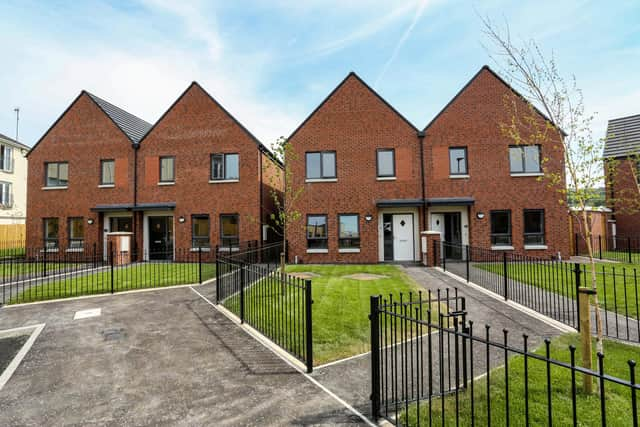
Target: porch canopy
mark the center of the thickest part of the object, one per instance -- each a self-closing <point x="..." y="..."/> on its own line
<point x="166" y="206"/>
<point x="435" y="201"/>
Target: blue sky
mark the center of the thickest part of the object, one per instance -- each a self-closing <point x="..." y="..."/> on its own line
<point x="271" y="62"/>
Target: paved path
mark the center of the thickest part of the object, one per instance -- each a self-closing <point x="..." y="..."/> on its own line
<point x="163" y="357"/>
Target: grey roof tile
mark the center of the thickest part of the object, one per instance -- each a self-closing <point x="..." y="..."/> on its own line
<point x="134" y="127"/>
<point x="623" y="137"/>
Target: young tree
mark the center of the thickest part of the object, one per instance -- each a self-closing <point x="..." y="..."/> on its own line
<point x="567" y="128"/>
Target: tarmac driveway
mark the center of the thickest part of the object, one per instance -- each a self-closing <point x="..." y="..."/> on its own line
<point x="162" y="357"/>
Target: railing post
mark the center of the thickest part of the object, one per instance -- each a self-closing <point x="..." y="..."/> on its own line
<point x="200" y="264"/>
<point x="435" y="253"/>
<point x="506" y="278"/>
<point x="111" y="264"/>
<point x="375" y="357"/>
<point x="94" y="255"/>
<point x="443" y="255"/>
<point x="308" y="324"/>
<point x="600" y="245"/>
<point x="217" y="276"/>
<point x="44" y="261"/>
<point x="629" y="248"/>
<point x="241" y="293"/>
<point x="577" y="272"/>
<point x="466" y="255"/>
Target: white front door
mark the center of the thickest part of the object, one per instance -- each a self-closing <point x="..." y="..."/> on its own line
<point x="437" y="224"/>
<point x="403" y="237"/>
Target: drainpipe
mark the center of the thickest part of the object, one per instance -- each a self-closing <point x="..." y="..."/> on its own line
<point x="421" y="135"/>
<point x="135" y="146"/>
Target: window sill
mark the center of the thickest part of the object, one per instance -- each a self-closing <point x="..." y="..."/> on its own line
<point x="226" y="249"/>
<point x="459" y="177"/>
<point x="317" y="251"/>
<point x="167" y="183"/>
<point x="198" y="249"/>
<point x="535" y="247"/>
<point x="106" y="186"/>
<point x="501" y="248"/>
<point x="525" y="174"/>
<point x="321" y="180"/>
<point x="349" y="250"/>
<point x="386" y="178"/>
<point x="222" y="181"/>
<point x="75" y="250"/>
<point x="51" y="250"/>
<point x="56" y="188"/>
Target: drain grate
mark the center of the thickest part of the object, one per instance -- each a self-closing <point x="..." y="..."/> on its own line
<point x="115" y="334"/>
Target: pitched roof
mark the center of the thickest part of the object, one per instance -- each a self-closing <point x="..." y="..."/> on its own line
<point x="134" y="127"/>
<point x="623" y="137"/>
<point x="357" y="77"/>
<point x="13" y="141"/>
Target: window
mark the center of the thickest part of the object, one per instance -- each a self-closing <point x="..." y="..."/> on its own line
<point x="321" y="165"/>
<point x="167" y="169"/>
<point x="120" y="224"/>
<point x="534" y="227"/>
<point x="501" y="228"/>
<point x="107" y="172"/>
<point x="51" y="233"/>
<point x="224" y="167"/>
<point x="317" y="232"/>
<point x="524" y="159"/>
<point x="229" y="231"/>
<point x="386" y="163"/>
<point x="348" y="232"/>
<point x="200" y="231"/>
<point x="458" y="161"/>
<point x="6" y="194"/>
<point x="57" y="174"/>
<point x="6" y="158"/>
<point x="76" y="233"/>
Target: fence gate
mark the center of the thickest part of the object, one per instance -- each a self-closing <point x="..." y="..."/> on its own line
<point x="418" y="351"/>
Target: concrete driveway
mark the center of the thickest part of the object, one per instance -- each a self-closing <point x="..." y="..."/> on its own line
<point x="163" y="357"/>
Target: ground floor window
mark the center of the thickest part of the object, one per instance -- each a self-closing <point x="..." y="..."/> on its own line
<point x="349" y="231"/>
<point x="534" y="227"/>
<point x="51" y="233"/>
<point x="200" y="231"/>
<point x="76" y="233"/>
<point x="501" y="228"/>
<point x="317" y="232"/>
<point x="229" y="231"/>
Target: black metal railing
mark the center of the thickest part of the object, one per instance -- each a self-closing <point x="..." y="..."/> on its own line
<point x="549" y="286"/>
<point x="250" y="284"/>
<point x="44" y="274"/>
<point x="432" y="368"/>
<point x="615" y="248"/>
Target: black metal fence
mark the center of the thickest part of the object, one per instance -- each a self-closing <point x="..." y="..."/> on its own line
<point x="549" y="286"/>
<point x="435" y="369"/>
<point x="39" y="274"/>
<point x="12" y="248"/>
<point x="249" y="283"/>
<point x="615" y="248"/>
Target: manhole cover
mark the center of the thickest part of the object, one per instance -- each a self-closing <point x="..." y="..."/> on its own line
<point x="115" y="334"/>
<point x="304" y="275"/>
<point x="366" y="276"/>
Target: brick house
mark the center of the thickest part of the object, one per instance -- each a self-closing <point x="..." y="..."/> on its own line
<point x="196" y="178"/>
<point x="622" y="161"/>
<point x="372" y="181"/>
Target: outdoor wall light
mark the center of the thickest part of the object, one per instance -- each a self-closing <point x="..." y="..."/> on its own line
<point x="90" y="221"/>
<point x="368" y="217"/>
<point x="181" y="220"/>
<point x="480" y="215"/>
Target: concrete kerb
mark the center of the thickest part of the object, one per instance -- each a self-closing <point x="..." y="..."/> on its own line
<point x="8" y="372"/>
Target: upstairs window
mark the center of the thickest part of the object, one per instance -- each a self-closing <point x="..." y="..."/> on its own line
<point x="6" y="158"/>
<point x="386" y="163"/>
<point x="348" y="232"/>
<point x="57" y="174"/>
<point x="76" y="233"/>
<point x="501" y="228"/>
<point x="6" y="194"/>
<point x="317" y="232"/>
<point x="458" y="161"/>
<point x="321" y="165"/>
<point x="107" y="172"/>
<point x="524" y="159"/>
<point x="167" y="169"/>
<point x="200" y="231"/>
<point x="229" y="231"/>
<point x="534" y="227"/>
<point x="225" y="167"/>
<point x="50" y="228"/>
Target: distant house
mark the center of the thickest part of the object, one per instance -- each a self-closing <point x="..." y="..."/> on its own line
<point x="622" y="155"/>
<point x="13" y="181"/>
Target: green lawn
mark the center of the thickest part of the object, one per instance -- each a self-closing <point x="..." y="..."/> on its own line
<point x="618" y="398"/>
<point x="340" y="306"/>
<point x="137" y="276"/>
<point x="13" y="269"/>
<point x="12" y="252"/>
<point x="549" y="277"/>
<point x="622" y="256"/>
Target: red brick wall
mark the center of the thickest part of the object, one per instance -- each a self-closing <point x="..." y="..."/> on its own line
<point x="473" y="120"/>
<point x="272" y="181"/>
<point x="625" y="199"/>
<point x="83" y="136"/>
<point x="354" y="122"/>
